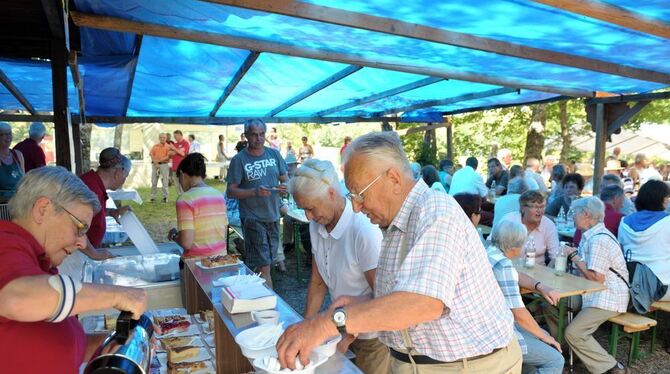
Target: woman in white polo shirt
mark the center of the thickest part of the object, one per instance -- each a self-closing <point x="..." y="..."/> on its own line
<point x="345" y="246"/>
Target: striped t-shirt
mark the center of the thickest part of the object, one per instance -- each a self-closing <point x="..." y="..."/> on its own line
<point x="203" y="210"/>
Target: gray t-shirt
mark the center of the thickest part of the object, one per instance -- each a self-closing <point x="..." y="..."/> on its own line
<point x="249" y="171"/>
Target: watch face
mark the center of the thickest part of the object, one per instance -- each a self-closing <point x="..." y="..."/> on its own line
<point x="339" y="317"/>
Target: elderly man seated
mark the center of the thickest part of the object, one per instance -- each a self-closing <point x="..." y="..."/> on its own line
<point x="437" y="304"/>
<point x="346" y="250"/>
<point x="613" y="197"/>
<point x="541" y="351"/>
<point x="598" y="259"/>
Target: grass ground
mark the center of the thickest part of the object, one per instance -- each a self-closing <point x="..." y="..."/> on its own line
<point x="159" y="217"/>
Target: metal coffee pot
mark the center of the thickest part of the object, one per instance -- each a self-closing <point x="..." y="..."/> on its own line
<point x="128" y="350"/>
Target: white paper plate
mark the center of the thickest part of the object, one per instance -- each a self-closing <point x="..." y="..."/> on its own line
<point x="241" y="279"/>
<point x="203" y="355"/>
<point x="204" y="329"/>
<point x="209" y="369"/>
<point x="209" y="339"/>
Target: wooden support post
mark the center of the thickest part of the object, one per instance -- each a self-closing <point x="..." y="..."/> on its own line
<point x="601" y="140"/>
<point x="66" y="145"/>
<point x="450" y="139"/>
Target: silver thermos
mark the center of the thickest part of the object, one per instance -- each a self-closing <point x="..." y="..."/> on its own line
<point x="127" y="350"/>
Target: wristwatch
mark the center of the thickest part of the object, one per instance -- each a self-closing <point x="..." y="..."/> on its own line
<point x="339" y="318"/>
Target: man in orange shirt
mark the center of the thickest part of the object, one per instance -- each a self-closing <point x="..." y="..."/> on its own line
<point x="159" y="166"/>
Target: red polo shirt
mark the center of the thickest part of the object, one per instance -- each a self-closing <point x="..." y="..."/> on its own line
<point x="33" y="154"/>
<point x="99" y="221"/>
<point x="612" y="219"/>
<point x="34" y="347"/>
<point x="176" y="159"/>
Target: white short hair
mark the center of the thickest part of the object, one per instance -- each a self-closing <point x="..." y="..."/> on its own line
<point x="504" y="153"/>
<point x="313" y="179"/>
<point x="384" y="146"/>
<point x="509" y="234"/>
<point x="591" y="205"/>
<point x="37" y="130"/>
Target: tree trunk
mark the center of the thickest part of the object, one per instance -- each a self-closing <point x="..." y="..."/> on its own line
<point x="118" y="136"/>
<point x="535" y="136"/>
<point x="565" y="131"/>
<point x="85" y="133"/>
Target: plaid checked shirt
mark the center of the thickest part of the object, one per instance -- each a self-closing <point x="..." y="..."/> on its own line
<point x="446" y="261"/>
<point x="508" y="280"/>
<point x="600" y="253"/>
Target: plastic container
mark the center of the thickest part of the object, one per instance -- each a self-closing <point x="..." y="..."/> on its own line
<point x="316" y="358"/>
<point x="251" y="351"/>
<point x="329" y="347"/>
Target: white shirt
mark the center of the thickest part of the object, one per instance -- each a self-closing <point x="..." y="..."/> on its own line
<point x="648" y="174"/>
<point x="195" y="147"/>
<point x="505" y="204"/>
<point x="537" y="179"/>
<point x="344" y="255"/>
<point x="467" y="180"/>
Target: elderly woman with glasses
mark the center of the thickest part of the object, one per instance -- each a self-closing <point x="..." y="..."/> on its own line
<point x="540" y="228"/>
<point x="541" y="352"/>
<point x="112" y="172"/>
<point x="11" y="164"/>
<point x="599" y="259"/>
<point x="39" y="329"/>
<point x="346" y="250"/>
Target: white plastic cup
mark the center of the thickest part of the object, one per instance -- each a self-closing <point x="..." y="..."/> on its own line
<point x="266" y="317"/>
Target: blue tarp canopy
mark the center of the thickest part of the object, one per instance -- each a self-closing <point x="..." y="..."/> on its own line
<point x="326" y="61"/>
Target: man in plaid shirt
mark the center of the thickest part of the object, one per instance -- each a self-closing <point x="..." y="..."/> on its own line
<point x="436" y="300"/>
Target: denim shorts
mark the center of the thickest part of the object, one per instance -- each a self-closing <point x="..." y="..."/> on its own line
<point x="261" y="240"/>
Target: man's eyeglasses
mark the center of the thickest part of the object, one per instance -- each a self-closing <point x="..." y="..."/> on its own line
<point x="358" y="197"/>
<point x="82" y="228"/>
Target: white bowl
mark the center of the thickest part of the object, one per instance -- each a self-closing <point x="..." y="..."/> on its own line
<point x="242" y="339"/>
<point x="314" y="357"/>
<point x="329" y="347"/>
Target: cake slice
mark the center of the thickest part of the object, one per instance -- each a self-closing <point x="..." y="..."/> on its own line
<point x="181" y="354"/>
<point x="172" y="326"/>
<point x="178" y="341"/>
<point x="220" y="260"/>
<point x="188" y="367"/>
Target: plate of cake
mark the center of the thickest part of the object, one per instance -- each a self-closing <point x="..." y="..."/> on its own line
<point x="218" y="261"/>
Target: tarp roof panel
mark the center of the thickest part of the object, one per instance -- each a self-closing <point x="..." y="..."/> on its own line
<point x="33" y="79"/>
<point x="391" y="49"/>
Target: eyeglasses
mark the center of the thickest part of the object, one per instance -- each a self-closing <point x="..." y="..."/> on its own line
<point x="358" y="197"/>
<point x="536" y="207"/>
<point x="82" y="228"/>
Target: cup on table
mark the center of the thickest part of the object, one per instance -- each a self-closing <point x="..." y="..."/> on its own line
<point x="265" y="317"/>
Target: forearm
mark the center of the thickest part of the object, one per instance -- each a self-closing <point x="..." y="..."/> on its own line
<point x="524" y="319"/>
<point x="241" y="193"/>
<point x="393" y="312"/>
<point x="315" y="295"/>
<point x="28" y="299"/>
<point x="526" y="281"/>
<point x="589" y="274"/>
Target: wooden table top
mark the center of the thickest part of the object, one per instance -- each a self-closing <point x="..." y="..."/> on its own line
<point x="566" y="285"/>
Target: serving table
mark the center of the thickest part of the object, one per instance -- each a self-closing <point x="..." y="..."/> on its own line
<point x="229" y="358"/>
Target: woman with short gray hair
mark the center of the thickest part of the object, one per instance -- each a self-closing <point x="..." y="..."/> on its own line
<point x="345" y="246"/>
<point x="541" y="352"/>
<point x="51" y="213"/>
<point x="12" y="166"/>
<point x="599" y="259"/>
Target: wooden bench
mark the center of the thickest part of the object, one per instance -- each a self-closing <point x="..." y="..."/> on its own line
<point x="658" y="306"/>
<point x="633" y="324"/>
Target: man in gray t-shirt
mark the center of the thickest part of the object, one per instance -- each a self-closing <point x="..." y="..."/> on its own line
<point x="254" y="178"/>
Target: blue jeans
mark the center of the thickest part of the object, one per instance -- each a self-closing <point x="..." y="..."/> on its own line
<point x="541" y="357"/>
<point x="261" y="240"/>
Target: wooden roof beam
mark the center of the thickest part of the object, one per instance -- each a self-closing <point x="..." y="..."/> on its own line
<point x="451" y="100"/>
<point x="381" y="95"/>
<point x="194" y="120"/>
<point x="123" y="25"/>
<point x="9" y="85"/>
<point x="239" y="74"/>
<point x="627" y="98"/>
<point x="316" y="88"/>
<point x="55" y="15"/>
<point x="298" y="9"/>
<point x="612" y="14"/>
